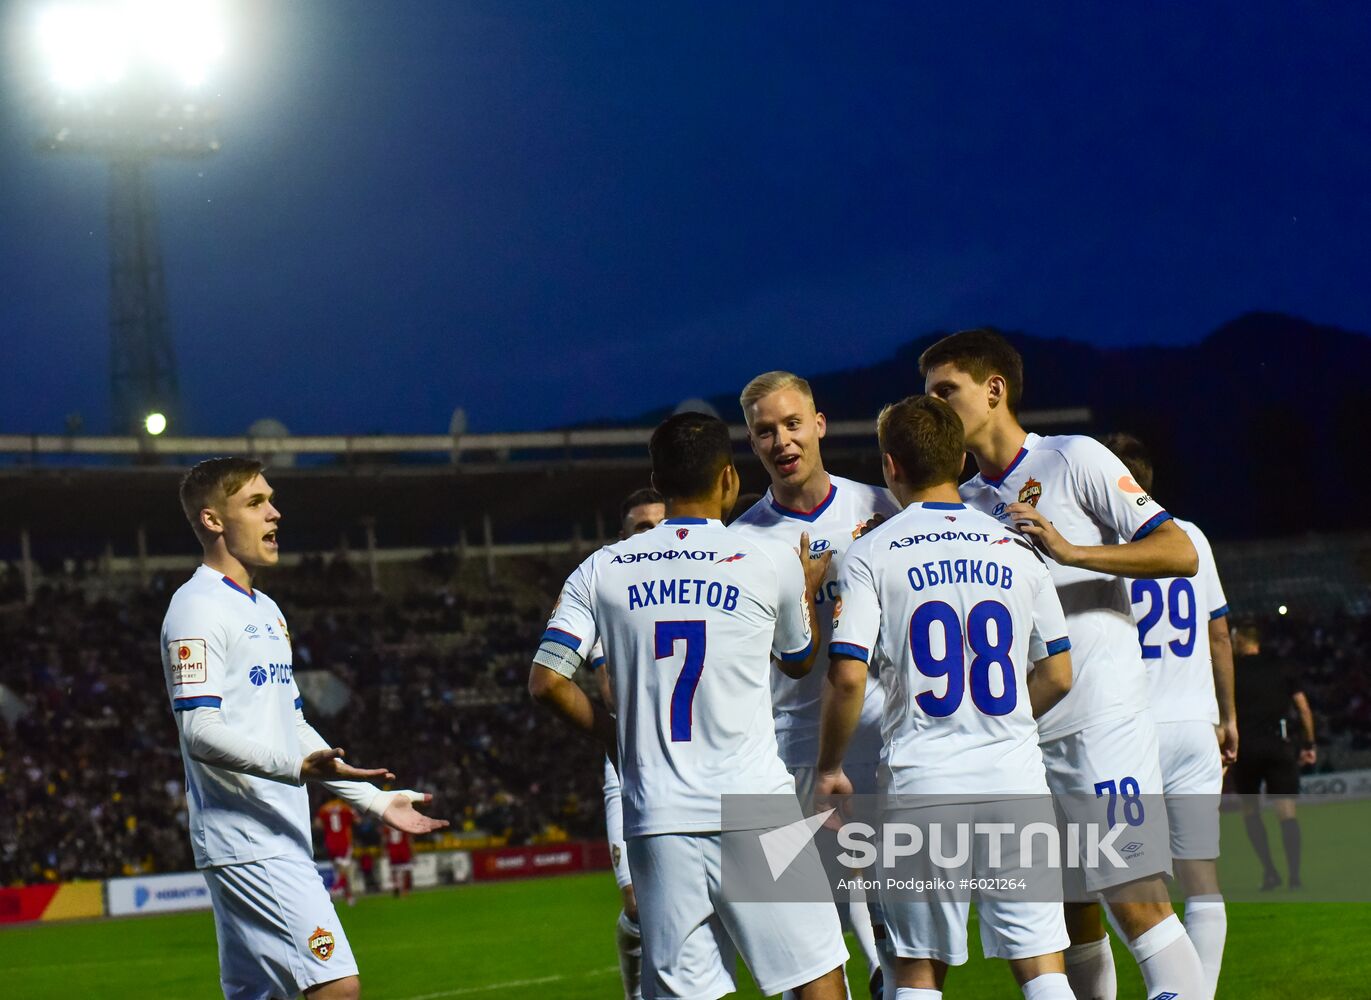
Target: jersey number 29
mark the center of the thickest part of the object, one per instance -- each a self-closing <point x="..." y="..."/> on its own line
<point x="1179" y="606"/>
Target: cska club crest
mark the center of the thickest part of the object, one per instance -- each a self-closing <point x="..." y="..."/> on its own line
<point x="1031" y="492"/>
<point x="682" y="532"/>
<point x="321" y="944"/>
<point x="837" y="611"/>
<point x="616" y="852"/>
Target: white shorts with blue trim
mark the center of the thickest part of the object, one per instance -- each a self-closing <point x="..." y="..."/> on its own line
<point x="278" y="931"/>
<point x="1192" y="774"/>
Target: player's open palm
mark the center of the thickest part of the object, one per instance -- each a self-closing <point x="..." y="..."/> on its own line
<point x="328" y="765"/>
<point x="402" y="815"/>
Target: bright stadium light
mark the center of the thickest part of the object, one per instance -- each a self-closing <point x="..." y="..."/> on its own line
<point x="1282" y="610"/>
<point x="155" y="423"/>
<point x="89" y="45"/>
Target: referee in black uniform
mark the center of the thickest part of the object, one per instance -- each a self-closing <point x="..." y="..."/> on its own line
<point x="1267" y="690"/>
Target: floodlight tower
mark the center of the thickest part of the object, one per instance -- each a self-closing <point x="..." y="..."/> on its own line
<point x="127" y="80"/>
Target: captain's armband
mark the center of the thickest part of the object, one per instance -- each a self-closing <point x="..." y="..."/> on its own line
<point x="558" y="658"/>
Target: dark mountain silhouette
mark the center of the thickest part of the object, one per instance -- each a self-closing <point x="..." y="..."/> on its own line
<point x="1255" y="430"/>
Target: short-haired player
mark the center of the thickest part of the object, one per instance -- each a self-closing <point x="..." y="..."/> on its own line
<point x="689" y="652"/>
<point x="785" y="430"/>
<point x="248" y="751"/>
<point x="1097" y="528"/>
<point x="949" y="731"/>
<point x="1183" y="636"/>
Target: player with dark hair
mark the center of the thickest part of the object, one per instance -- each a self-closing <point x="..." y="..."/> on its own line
<point x="1097" y="527"/>
<point x="247" y="750"/>
<point x="948" y="732"/>
<point x="691" y="615"/>
<point x="1268" y="690"/>
<point x="1183" y="636"/>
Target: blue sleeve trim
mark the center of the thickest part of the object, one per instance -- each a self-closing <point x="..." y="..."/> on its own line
<point x="1218" y="612"/>
<point x="851" y="649"/>
<point x="1152" y="524"/>
<point x="299" y="703"/>
<point x="799" y="654"/>
<point x="564" y="638"/>
<point x="1058" y="646"/>
<point x="204" y="701"/>
<point x="597" y="663"/>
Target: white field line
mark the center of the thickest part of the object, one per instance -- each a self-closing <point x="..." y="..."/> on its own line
<point x="511" y="984"/>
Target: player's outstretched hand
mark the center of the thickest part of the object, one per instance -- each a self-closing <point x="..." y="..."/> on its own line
<point x="328" y="765"/>
<point x="402" y="815"/>
<point x="1040" y="531"/>
<point x="815" y="567"/>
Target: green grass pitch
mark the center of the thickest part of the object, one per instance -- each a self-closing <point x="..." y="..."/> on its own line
<point x="555" y="937"/>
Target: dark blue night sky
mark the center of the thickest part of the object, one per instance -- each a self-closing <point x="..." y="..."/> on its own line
<point x="550" y="212"/>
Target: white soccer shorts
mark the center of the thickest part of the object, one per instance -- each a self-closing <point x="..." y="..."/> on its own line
<point x="1192" y="774"/>
<point x="278" y="931"/>
<point x="1112" y="768"/>
<point x="931" y="923"/>
<point x="614" y="827"/>
<point x="692" y="934"/>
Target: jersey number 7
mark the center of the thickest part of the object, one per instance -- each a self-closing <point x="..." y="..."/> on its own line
<point x="692" y="633"/>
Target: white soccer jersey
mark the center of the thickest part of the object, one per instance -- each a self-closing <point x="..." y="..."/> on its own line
<point x="225" y="648"/>
<point x="832" y="527"/>
<point x="690" y="615"/>
<point x="1090" y="498"/>
<point x="958" y="606"/>
<point x="1173" y="618"/>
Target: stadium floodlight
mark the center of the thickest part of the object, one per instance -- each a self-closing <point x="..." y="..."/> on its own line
<point x="1282" y="610"/>
<point x="155" y="423"/>
<point x="87" y="45"/>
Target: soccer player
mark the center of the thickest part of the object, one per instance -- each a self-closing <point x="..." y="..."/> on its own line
<point x="335" y="818"/>
<point x="1267" y="692"/>
<point x="1183" y="635"/>
<point x="400" y="853"/>
<point x="248" y="751"/>
<point x="641" y="511"/>
<point x="948" y="731"/>
<point x="1077" y="503"/>
<point x="785" y="429"/>
<point x="691" y="614"/>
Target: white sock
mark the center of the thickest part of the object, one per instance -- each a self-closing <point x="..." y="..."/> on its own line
<point x="629" y="939"/>
<point x="859" y="919"/>
<point x="1168" y="961"/>
<point x="910" y="993"/>
<point x="1206" y="921"/>
<point x="1048" y="986"/>
<point x="1090" y="970"/>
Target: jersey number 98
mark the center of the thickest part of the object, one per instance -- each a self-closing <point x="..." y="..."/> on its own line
<point x="987" y="653"/>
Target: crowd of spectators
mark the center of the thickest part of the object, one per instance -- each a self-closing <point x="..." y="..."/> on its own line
<point x="91" y="783"/>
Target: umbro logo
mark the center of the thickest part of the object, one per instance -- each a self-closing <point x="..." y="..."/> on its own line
<point x="1166" y="996"/>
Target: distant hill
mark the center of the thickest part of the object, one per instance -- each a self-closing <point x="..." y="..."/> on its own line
<point x="1256" y="430"/>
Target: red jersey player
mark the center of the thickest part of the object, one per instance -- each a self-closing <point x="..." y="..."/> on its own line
<point x="335" y="818"/>
<point x="400" y="850"/>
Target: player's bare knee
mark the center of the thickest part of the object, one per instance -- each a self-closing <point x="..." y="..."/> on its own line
<point x="1139" y="906"/>
<point x="1084" y="922"/>
<point x="1197" y="878"/>
<point x="1285" y="808"/>
<point x="829" y="986"/>
<point x="1027" y="969"/>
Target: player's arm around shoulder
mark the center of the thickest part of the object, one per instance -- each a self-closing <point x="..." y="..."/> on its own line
<point x="1153" y="546"/>
<point x="856" y="627"/>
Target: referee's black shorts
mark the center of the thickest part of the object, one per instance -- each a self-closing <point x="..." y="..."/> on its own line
<point x="1272" y="764"/>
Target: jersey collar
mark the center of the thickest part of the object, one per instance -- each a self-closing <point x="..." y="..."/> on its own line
<point x="806" y="515"/>
<point x="941" y="505"/>
<point x="686" y="520"/>
<point x="246" y="593"/>
<point x="998" y="481"/>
